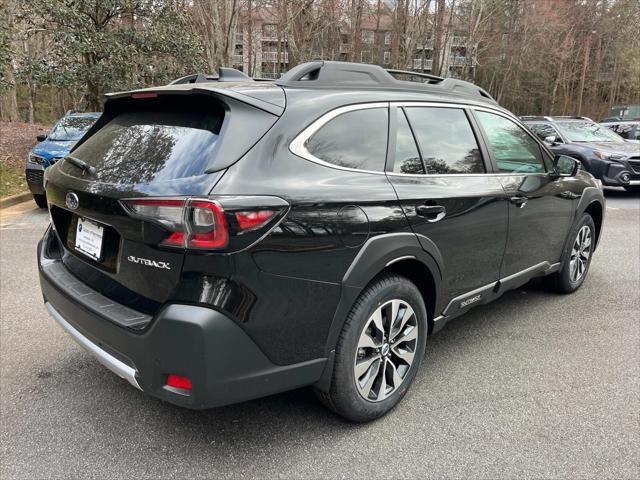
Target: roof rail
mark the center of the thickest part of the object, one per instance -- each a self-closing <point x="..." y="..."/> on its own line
<point x="409" y="73"/>
<point x="572" y="117"/>
<point x="536" y="117"/>
<point x="329" y="74"/>
<point x="224" y="75"/>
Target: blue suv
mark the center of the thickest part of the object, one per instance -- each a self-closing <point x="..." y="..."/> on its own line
<point x="52" y="147"/>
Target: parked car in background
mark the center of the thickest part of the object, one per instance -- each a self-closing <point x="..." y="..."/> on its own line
<point x="625" y="112"/>
<point x="52" y="147"/>
<point x="213" y="243"/>
<point x="603" y="153"/>
<point x="629" y="130"/>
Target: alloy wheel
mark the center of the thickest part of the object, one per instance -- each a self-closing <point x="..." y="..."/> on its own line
<point x="580" y="253"/>
<point x="386" y="350"/>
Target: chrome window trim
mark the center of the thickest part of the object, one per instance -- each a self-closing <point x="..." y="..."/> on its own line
<point x="297" y="146"/>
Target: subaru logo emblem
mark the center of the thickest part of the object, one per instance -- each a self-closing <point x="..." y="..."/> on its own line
<point x="72" y="201"/>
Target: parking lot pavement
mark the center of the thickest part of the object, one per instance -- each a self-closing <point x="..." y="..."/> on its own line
<point x="533" y="385"/>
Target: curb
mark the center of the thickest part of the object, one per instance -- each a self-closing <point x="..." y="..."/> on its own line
<point x="14" y="200"/>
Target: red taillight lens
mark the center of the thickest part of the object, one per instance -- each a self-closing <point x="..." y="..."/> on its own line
<point x="177" y="381"/>
<point x="175" y="238"/>
<point x="209" y="225"/>
<point x="253" y="219"/>
<point x="194" y="223"/>
<point x="202" y="223"/>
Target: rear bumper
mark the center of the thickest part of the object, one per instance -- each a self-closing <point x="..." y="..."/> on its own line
<point x="223" y="363"/>
<point x="35" y="178"/>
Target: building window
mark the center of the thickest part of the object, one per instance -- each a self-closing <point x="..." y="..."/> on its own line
<point x="368" y="36"/>
<point x="269" y="31"/>
<point x="386" y="59"/>
<point x="387" y="38"/>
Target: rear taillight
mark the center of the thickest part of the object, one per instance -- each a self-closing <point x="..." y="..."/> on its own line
<point x="191" y="223"/>
<point x="200" y="223"/>
<point x="253" y="219"/>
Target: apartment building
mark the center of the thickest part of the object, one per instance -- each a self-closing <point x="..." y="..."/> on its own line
<point x="262" y="47"/>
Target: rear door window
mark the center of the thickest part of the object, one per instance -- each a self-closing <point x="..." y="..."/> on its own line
<point x="153" y="145"/>
<point x="407" y="158"/>
<point x="356" y="139"/>
<point x="446" y="140"/>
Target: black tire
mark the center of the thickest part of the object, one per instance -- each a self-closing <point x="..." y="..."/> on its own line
<point x="343" y="396"/>
<point x="562" y="281"/>
<point x="41" y="200"/>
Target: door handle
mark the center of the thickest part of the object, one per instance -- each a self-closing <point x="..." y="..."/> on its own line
<point x="433" y="213"/>
<point x="519" y="201"/>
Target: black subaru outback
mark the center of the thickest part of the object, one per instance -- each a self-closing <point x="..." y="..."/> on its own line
<point x="217" y="241"/>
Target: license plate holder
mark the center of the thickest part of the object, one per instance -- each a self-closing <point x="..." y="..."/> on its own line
<point x="89" y="238"/>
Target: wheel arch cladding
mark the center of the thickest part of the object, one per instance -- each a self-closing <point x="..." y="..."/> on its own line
<point x="595" y="210"/>
<point x="401" y="253"/>
<point x="592" y="202"/>
<point x="418" y="266"/>
<point x="420" y="275"/>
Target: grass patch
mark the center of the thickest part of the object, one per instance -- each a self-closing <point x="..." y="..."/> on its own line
<point x="12" y="180"/>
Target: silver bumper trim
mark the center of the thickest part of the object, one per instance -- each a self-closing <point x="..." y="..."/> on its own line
<point x="634" y="182"/>
<point x="112" y="363"/>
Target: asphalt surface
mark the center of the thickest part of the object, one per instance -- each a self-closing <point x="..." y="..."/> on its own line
<point x="533" y="385"/>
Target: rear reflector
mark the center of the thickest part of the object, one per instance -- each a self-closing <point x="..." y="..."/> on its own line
<point x="177" y="381"/>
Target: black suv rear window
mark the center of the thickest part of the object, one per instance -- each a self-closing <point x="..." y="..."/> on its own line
<point x="356" y="139"/>
<point x="153" y="144"/>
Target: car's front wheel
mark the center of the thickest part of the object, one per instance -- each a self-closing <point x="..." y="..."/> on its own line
<point x="577" y="256"/>
<point x="379" y="350"/>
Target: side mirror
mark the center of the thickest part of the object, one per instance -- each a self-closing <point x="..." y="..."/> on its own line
<point x="41" y="137"/>
<point x="565" y="166"/>
<point x="551" y="139"/>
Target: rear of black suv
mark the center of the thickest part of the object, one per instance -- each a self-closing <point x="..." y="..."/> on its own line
<point x="137" y="264"/>
<point x="217" y="242"/>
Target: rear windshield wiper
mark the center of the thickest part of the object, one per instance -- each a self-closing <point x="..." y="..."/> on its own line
<point x="82" y="165"/>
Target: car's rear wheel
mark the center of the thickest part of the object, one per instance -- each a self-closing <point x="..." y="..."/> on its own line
<point x="41" y="200"/>
<point x="379" y="350"/>
<point x="577" y="257"/>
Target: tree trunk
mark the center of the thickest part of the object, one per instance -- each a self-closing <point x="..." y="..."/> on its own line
<point x="438" y="34"/>
<point x="583" y="77"/>
<point x="9" y="101"/>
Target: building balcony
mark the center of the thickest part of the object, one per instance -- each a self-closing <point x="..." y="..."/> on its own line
<point x="273" y="57"/>
<point x="458" y="61"/>
<point x="422" y="64"/>
<point x="271" y="75"/>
